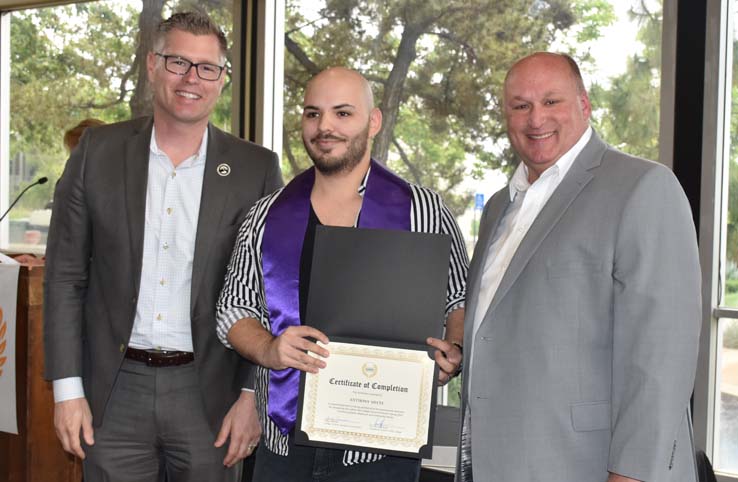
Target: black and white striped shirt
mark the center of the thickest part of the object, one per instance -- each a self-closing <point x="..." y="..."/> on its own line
<point x="243" y="291"/>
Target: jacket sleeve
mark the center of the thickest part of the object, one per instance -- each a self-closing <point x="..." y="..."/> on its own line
<point x="67" y="270"/>
<point x="656" y="325"/>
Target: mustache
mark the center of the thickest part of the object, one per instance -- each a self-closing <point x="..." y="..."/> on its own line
<point x="326" y="137"/>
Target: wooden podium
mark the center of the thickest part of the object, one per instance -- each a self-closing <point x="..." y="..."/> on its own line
<point x="35" y="454"/>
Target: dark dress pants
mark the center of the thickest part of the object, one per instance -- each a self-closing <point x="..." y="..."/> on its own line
<point x="308" y="464"/>
<point x="154" y="429"/>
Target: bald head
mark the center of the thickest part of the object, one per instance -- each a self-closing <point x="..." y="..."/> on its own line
<point x="348" y="81"/>
<point x="554" y="61"/>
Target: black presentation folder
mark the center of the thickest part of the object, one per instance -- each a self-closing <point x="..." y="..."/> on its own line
<point x="377" y="287"/>
<point x="378" y="284"/>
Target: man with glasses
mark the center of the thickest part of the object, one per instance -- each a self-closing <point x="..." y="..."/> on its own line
<point x="145" y="218"/>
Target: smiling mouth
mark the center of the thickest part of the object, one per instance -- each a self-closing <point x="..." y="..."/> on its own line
<point x="540" y="137"/>
<point x="188" y="95"/>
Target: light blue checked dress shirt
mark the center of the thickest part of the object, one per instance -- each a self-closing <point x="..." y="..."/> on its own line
<point x="172" y="209"/>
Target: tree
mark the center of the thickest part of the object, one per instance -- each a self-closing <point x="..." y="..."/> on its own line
<point x="627" y="112"/>
<point x="84" y="60"/>
<point x="57" y="79"/>
<point x="436" y="65"/>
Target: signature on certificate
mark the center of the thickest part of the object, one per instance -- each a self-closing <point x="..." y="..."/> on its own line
<point x="378" y="423"/>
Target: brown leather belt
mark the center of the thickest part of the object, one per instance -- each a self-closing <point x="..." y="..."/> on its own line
<point x="160" y="358"/>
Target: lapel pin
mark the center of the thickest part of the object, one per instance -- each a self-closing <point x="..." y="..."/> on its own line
<point x="223" y="169"/>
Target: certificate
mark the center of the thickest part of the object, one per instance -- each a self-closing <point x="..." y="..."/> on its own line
<point x="370" y="398"/>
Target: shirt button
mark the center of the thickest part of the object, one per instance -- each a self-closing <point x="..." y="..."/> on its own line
<point x="169" y="211"/>
<point x="162" y="282"/>
<point x="122" y="347"/>
<point x="166" y="246"/>
<point x="158" y="317"/>
<point x="174" y="174"/>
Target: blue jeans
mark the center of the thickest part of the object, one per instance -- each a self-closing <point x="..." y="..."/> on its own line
<point x="310" y="464"/>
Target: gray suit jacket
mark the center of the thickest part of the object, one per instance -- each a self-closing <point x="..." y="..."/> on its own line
<point x="95" y="249"/>
<point x="585" y="360"/>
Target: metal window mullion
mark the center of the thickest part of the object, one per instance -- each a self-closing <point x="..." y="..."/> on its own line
<point x="723" y="312"/>
<point x="4" y="124"/>
<point x="716" y="133"/>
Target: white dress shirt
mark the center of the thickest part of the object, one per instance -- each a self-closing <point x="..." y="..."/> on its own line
<point x="162" y="319"/>
<point x="526" y="202"/>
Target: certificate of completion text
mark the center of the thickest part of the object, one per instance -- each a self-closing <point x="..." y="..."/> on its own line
<point x="370" y="396"/>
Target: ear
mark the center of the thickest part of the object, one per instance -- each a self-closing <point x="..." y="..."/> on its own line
<point x="221" y="81"/>
<point x="586" y="105"/>
<point x="375" y="122"/>
<point x="150" y="65"/>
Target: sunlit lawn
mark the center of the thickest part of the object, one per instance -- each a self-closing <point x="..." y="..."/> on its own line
<point x="731" y="300"/>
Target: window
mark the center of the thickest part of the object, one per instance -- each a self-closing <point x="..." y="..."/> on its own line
<point x="437" y="70"/>
<point x="726" y="412"/>
<point x="70" y="63"/>
<point x="716" y="386"/>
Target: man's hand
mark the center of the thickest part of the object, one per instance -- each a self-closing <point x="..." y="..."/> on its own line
<point x="448" y="356"/>
<point x="71" y="417"/>
<point x="288" y="350"/>
<point x="241" y="423"/>
<point x="620" y="478"/>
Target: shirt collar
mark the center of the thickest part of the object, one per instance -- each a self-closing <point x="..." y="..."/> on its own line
<point x="519" y="181"/>
<point x="362" y="186"/>
<point x="192" y="161"/>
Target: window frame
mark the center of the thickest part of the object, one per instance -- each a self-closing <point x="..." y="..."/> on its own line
<point x="713" y="218"/>
<point x="246" y="74"/>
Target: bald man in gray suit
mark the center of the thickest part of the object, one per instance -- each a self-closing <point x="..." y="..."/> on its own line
<point x="583" y="308"/>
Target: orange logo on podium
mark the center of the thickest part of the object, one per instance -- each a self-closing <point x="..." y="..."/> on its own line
<point x="3" y="342"/>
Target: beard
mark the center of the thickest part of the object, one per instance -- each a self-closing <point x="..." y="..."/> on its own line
<point x="329" y="165"/>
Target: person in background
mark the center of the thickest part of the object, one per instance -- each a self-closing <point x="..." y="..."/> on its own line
<point x="73" y="135"/>
<point x="71" y="139"/>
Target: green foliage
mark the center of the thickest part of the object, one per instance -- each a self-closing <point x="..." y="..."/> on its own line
<point x="72" y="62"/>
<point x="454" y="391"/>
<point x="78" y="61"/>
<point x="592" y="16"/>
<point x="417" y="145"/>
<point x="731" y="248"/>
<point x="627" y="112"/>
<point x="446" y="108"/>
<point x="56" y="81"/>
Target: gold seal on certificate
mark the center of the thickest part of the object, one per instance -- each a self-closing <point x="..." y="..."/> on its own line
<point x="372" y="397"/>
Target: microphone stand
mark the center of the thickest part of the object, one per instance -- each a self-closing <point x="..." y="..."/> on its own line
<point x="41" y="180"/>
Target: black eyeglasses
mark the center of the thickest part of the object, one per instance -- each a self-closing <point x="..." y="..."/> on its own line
<point x="180" y="66"/>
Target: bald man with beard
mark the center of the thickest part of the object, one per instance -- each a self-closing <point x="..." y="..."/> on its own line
<point x="338" y="122"/>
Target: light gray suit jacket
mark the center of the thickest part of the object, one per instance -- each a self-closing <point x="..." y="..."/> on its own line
<point x="95" y="250"/>
<point x="585" y="360"/>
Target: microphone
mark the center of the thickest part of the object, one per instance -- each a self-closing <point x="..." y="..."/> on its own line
<point x="41" y="180"/>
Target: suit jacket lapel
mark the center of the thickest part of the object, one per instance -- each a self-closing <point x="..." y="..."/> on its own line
<point x="494" y="212"/>
<point x="578" y="176"/>
<point x="136" y="179"/>
<point x="212" y="202"/>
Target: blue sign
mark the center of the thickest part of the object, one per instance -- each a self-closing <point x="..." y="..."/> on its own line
<point x="479" y="201"/>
